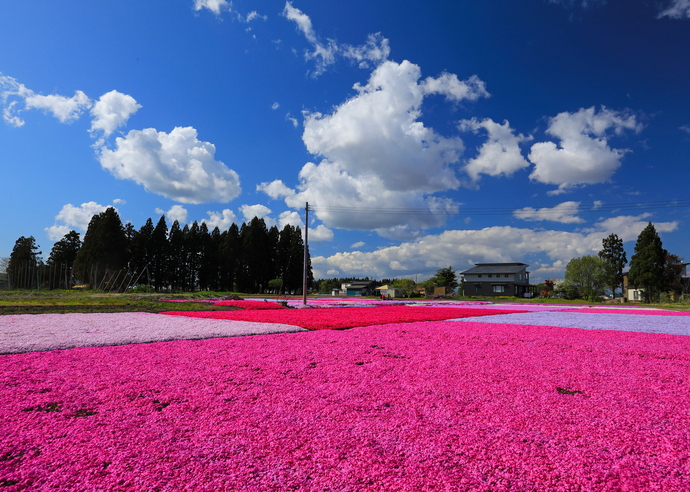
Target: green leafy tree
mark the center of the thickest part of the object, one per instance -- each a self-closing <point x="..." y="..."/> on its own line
<point x="444" y="277"/>
<point x="647" y="264"/>
<point x="588" y="274"/>
<point x="672" y="270"/>
<point x="406" y="285"/>
<point x="614" y="255"/>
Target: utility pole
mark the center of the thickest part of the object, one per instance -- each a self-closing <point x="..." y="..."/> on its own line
<point x="306" y="255"/>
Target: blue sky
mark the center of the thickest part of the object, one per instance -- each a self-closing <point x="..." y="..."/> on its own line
<point x="423" y="135"/>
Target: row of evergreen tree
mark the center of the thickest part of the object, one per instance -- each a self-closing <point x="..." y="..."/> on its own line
<point x="252" y="258"/>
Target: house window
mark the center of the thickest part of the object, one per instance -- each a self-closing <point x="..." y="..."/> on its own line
<point x="489" y="275"/>
<point x="499" y="289"/>
<point x="476" y="288"/>
<point x="506" y="275"/>
<point x="480" y="275"/>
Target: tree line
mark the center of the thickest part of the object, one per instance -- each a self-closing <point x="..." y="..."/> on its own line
<point x="653" y="270"/>
<point x="114" y="257"/>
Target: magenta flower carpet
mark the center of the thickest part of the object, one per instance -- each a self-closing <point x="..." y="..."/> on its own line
<point x="339" y="318"/>
<point x="468" y="405"/>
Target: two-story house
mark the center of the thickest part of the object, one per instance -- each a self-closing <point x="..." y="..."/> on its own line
<point x="498" y="279"/>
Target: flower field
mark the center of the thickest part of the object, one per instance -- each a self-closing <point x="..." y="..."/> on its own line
<point x="475" y="404"/>
<point x="339" y="318"/>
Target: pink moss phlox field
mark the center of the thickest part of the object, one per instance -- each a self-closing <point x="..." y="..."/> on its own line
<point x="339" y="318"/>
<point x="671" y="325"/>
<point x="404" y="407"/>
<point x="34" y="332"/>
<point x="250" y="305"/>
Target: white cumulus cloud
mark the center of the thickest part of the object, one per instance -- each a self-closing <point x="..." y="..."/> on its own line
<point x="223" y="220"/>
<point x="176" y="165"/>
<point x="462" y="248"/>
<point x="260" y="211"/>
<point x="111" y="111"/>
<point x="16" y="97"/>
<point x="500" y="154"/>
<point x="565" y="213"/>
<point x="376" y="151"/>
<point x="65" y="109"/>
<point x="583" y="155"/>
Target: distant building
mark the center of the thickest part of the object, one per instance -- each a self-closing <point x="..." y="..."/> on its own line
<point x="357" y="288"/>
<point x="630" y="292"/>
<point x="498" y="279"/>
<point x="388" y="291"/>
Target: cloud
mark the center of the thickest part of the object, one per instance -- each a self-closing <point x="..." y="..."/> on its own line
<point x="500" y="154"/>
<point x="374" y="51"/>
<point x="324" y="52"/>
<point x="463" y="248"/>
<point x="65" y="109"/>
<point x="176" y="165"/>
<point x="175" y="213"/>
<point x="252" y="16"/>
<point x="17" y="97"/>
<point x="76" y="218"/>
<point x="260" y="211"/>
<point x="565" y="213"/>
<point x="275" y="106"/>
<point x="317" y="234"/>
<point x="111" y="111"/>
<point x="377" y="154"/>
<point x="222" y="220"/>
<point x="629" y="227"/>
<point x="11" y="94"/>
<point x="370" y="54"/>
<point x="678" y="9"/>
<point x="215" y="6"/>
<point x="292" y="120"/>
<point x="456" y="90"/>
<point x="583" y="155"/>
<point x="358" y="244"/>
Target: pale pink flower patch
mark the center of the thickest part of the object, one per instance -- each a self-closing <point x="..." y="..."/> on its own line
<point x="35" y="332"/>
<point x="422" y="406"/>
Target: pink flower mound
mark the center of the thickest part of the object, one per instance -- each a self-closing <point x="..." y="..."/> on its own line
<point x="408" y="407"/>
<point x="250" y="305"/>
<point x="339" y="318"/>
<point x="34" y="332"/>
<point x="635" y="311"/>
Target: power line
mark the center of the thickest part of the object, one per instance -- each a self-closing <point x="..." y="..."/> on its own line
<point x="469" y="211"/>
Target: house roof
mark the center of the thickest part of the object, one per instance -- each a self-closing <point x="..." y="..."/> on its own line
<point x="358" y="284"/>
<point x="481" y="268"/>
